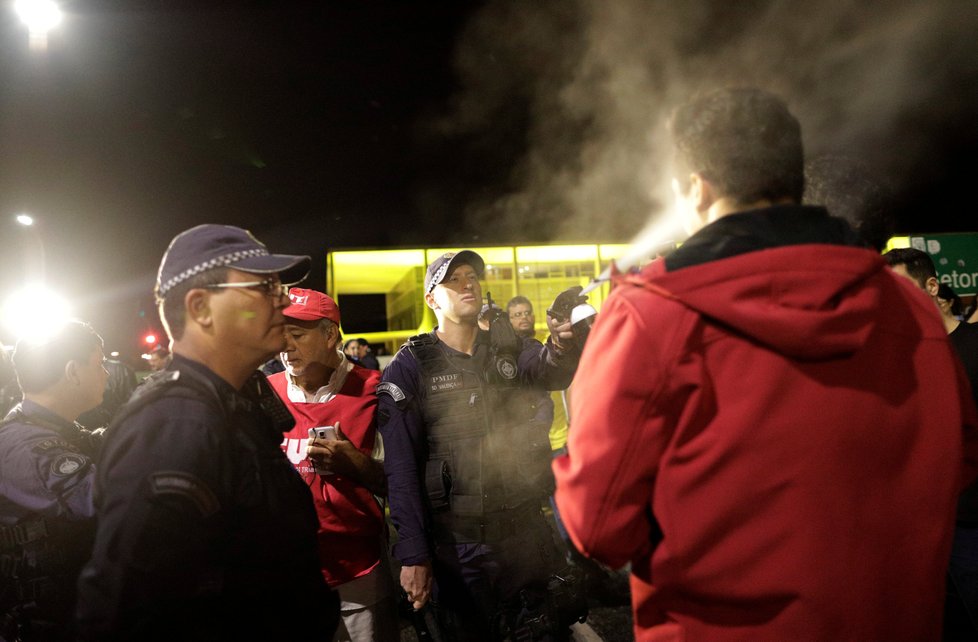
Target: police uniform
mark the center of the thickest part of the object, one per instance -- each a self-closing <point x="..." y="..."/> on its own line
<point x="205" y="529"/>
<point x="46" y="516"/>
<point x="467" y="463"/>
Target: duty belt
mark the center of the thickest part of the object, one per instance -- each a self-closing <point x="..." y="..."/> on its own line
<point x="20" y="534"/>
<point x="492" y="527"/>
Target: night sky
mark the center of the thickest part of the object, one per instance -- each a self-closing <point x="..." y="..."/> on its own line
<point x="382" y="124"/>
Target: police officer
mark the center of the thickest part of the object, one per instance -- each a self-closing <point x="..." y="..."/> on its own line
<point x="47" y="464"/>
<point x="205" y="530"/>
<point x="467" y="468"/>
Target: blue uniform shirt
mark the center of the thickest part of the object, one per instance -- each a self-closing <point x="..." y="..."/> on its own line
<point x="205" y="530"/>
<point x="43" y="473"/>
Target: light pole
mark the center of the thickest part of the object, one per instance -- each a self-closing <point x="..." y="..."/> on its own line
<point x="40" y="16"/>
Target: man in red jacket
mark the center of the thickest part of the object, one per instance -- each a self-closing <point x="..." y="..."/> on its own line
<point x="322" y="388"/>
<point x="782" y="457"/>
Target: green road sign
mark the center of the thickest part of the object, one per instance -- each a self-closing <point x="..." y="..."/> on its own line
<point x="955" y="257"/>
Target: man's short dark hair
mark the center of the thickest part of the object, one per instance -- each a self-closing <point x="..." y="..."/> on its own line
<point x="918" y="264"/>
<point x="745" y="142"/>
<point x="40" y="363"/>
<point x="519" y="299"/>
<point x="171" y="305"/>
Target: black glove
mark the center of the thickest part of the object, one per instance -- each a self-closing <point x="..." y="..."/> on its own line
<point x="565" y="302"/>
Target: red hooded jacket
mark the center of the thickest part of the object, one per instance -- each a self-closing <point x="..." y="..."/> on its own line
<point x="774" y="441"/>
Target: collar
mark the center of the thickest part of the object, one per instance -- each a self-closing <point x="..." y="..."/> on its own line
<point x="37" y="412"/>
<point x="332" y="388"/>
<point x="761" y="229"/>
<point x="233" y="400"/>
<point x="482" y="339"/>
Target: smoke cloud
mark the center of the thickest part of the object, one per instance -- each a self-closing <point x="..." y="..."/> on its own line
<point x="571" y="97"/>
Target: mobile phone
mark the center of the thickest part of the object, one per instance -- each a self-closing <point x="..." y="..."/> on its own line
<point x="327" y="433"/>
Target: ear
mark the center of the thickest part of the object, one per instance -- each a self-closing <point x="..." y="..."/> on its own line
<point x="197" y="303"/>
<point x="71" y="373"/>
<point x="430" y="300"/>
<point x="333" y="337"/>
<point x="701" y="192"/>
<point x="931" y="285"/>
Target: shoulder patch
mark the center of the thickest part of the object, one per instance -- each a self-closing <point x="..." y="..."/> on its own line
<point x="171" y="482"/>
<point x="67" y="464"/>
<point x="506" y="367"/>
<point x="48" y="444"/>
<point x="391" y="390"/>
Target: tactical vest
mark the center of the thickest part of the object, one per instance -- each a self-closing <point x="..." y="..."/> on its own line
<point x="487" y="453"/>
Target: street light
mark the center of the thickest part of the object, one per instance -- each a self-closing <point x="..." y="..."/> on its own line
<point x="35" y="263"/>
<point x="34" y="312"/>
<point x="40" y="16"/>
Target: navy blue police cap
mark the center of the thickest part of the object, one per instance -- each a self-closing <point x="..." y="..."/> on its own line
<point x="210" y="246"/>
<point x="443" y="265"/>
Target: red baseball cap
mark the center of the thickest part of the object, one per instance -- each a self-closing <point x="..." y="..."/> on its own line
<point x="310" y="305"/>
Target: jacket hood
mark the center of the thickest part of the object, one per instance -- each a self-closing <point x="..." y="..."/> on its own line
<point x="787" y="277"/>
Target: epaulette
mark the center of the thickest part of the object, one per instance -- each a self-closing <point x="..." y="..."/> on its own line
<point x="418" y="340"/>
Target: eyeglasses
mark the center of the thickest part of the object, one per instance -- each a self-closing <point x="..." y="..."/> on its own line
<point x="268" y="287"/>
<point x="517" y="315"/>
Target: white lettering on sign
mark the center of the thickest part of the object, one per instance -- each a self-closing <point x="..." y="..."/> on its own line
<point x="960" y="280"/>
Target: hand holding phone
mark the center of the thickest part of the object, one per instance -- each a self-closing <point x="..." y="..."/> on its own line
<point x="321" y="461"/>
<point x="326" y="433"/>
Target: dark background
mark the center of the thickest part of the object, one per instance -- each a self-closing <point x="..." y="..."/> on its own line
<point x="334" y="125"/>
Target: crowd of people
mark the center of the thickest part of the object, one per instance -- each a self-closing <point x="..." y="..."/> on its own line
<point x="773" y="427"/>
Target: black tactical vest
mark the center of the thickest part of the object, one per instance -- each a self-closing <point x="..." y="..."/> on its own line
<point x="487" y="451"/>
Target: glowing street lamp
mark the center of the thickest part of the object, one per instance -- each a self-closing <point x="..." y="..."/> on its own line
<point x="34" y="312"/>
<point x="36" y="261"/>
<point x="40" y="16"/>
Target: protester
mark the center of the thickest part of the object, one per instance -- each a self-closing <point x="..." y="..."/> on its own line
<point x="205" y="531"/>
<point x="467" y="467"/>
<point x="158" y="358"/>
<point x="365" y="353"/>
<point x="352" y="350"/>
<point x="322" y="388"/>
<point x="520" y="311"/>
<point x="961" y="606"/>
<point x="47" y="468"/>
<point x="782" y="459"/>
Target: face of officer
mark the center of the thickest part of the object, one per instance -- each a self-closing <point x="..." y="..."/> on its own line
<point x="310" y="349"/>
<point x="522" y="319"/>
<point x="459" y="297"/>
<point x="89" y="376"/>
<point x="248" y="320"/>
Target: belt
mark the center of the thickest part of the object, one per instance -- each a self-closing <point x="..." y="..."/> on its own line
<point x="490" y="527"/>
<point x="20" y="534"/>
